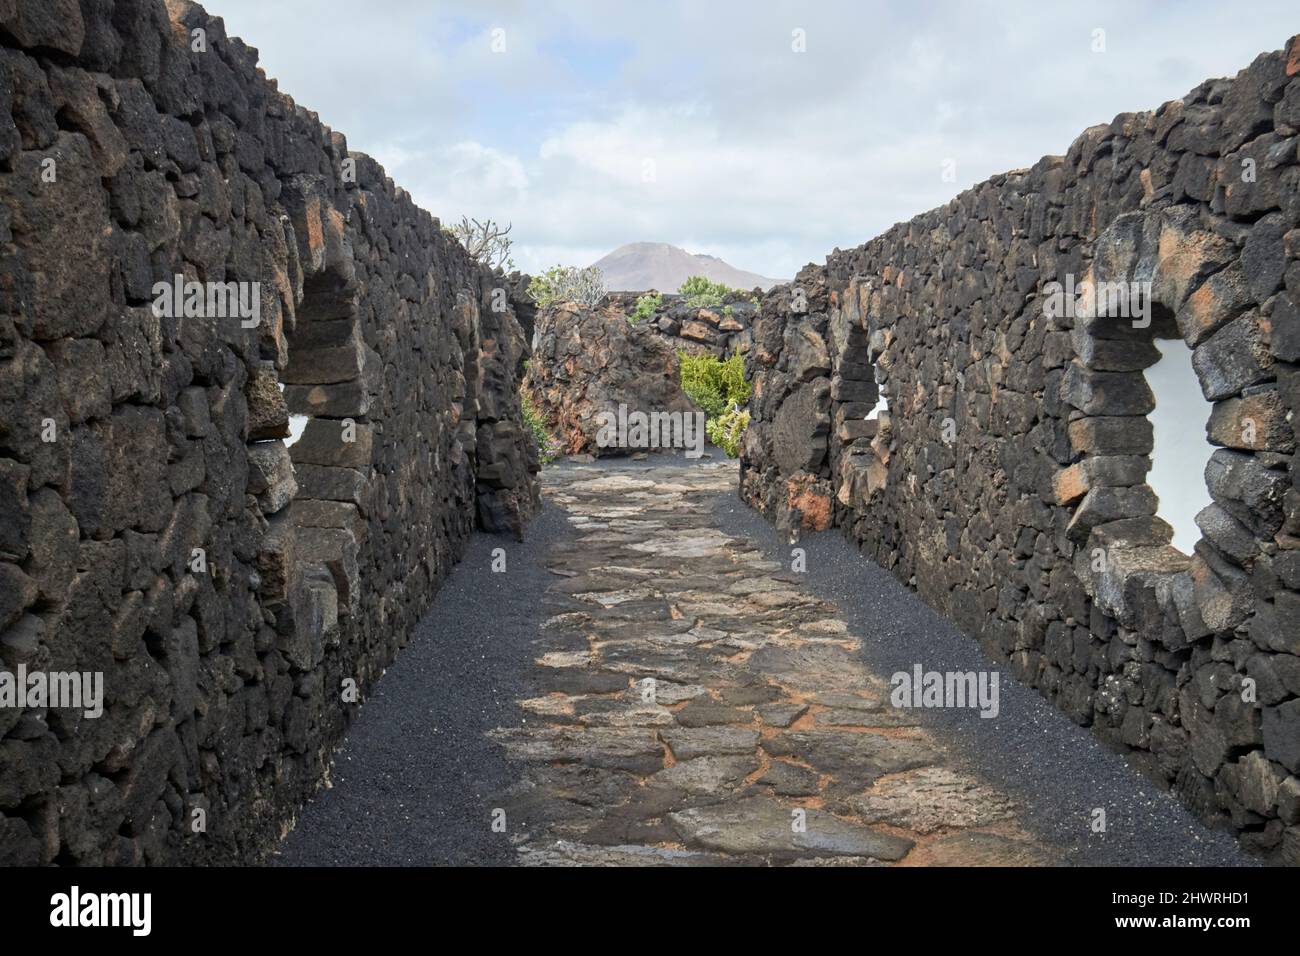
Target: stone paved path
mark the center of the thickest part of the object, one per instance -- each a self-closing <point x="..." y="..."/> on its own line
<point x="700" y="706"/>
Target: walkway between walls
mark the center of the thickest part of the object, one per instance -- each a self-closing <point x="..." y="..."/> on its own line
<point x="649" y="682"/>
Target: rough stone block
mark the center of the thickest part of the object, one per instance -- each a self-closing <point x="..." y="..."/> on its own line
<point x="326" y="365"/>
<point x="1218" y="300"/>
<point x="1124" y="435"/>
<point x="271" y="475"/>
<point x="1103" y="505"/>
<point x="1106" y="393"/>
<point x="1250" y="492"/>
<point x="268" y="416"/>
<point x="341" y="400"/>
<point x="1071" y="484"/>
<point x="322" y="443"/>
<point x="1235" y="357"/>
<point x="310" y="513"/>
<point x="1256" y="422"/>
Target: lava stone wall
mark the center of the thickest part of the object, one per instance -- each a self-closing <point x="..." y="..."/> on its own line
<point x="239" y="593"/>
<point x="719" y="331"/>
<point x="587" y="362"/>
<point x="1006" y="482"/>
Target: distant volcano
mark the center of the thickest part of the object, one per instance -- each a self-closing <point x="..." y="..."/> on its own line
<point x="657" y="265"/>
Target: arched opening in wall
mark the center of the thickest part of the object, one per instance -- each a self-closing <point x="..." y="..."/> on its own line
<point x="1139" y="426"/>
<point x="1180" y="448"/>
<point x="863" y="429"/>
<point x="328" y="386"/>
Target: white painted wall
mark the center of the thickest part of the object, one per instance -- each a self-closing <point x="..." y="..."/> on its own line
<point x="1178" y="462"/>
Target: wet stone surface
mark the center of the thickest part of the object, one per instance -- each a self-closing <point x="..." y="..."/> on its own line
<point x="694" y="704"/>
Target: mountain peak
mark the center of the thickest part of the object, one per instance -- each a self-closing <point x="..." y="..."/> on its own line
<point x="638" y="266"/>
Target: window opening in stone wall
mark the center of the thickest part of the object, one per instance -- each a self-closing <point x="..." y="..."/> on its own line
<point x="1180" y="454"/>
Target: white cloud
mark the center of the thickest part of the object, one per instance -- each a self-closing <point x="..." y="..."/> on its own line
<point x="765" y="157"/>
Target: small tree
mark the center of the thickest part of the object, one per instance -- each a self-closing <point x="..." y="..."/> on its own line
<point x="485" y="241"/>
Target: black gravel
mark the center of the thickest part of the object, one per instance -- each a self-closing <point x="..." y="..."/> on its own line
<point x="416" y="777"/>
<point x="415" y="780"/>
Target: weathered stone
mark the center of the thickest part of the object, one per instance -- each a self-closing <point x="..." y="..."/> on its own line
<point x="325" y="442"/>
<point x="789" y="780"/>
<point x="17" y="593"/>
<point x="333" y="484"/>
<point x="1233" y="358"/>
<point x="760" y="826"/>
<point x="801" y="426"/>
<point x="1263" y="260"/>
<point x="1106" y="393"/>
<point x="47" y="24"/>
<point x="1259" y="783"/>
<point x="1255" y="422"/>
<point x="271" y="475"/>
<point x="54" y="536"/>
<point x="1103" y="505"/>
<point x="1097" y="471"/>
<point x="687" y="744"/>
<point x="930" y="799"/>
<point x="1282" y="734"/>
<point x="1247" y="490"/>
<point x="855" y="759"/>
<point x="1221" y="298"/>
<point x="1127" y="435"/>
<point x="268" y="416"/>
<point x="61" y="244"/>
<point x="706" y="775"/>
<point x="1284" y="327"/>
<point x="325" y="365"/>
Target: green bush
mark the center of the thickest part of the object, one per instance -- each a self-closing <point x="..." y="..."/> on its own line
<point x="568" y="284"/>
<point x="727" y="430"/>
<point x="548" y="446"/>
<point x="646" y="307"/>
<point x="701" y="293"/>
<point x="720" y="389"/>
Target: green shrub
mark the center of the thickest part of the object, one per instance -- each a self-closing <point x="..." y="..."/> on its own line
<point x="548" y="446"/>
<point x="646" y="307"/>
<point x="568" y="284"/>
<point x="701" y="293"/>
<point x="727" y="430"/>
<point x="720" y="389"/>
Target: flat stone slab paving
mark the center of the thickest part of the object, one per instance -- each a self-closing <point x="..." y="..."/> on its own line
<point x="693" y="703"/>
<point x="649" y="686"/>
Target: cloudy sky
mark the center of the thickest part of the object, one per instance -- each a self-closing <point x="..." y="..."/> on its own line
<point x="764" y="132"/>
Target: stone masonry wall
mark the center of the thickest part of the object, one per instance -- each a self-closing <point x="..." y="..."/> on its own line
<point x="1006" y="482"/>
<point x="589" y="362"/>
<point x="238" y="594"/>
<point x="718" y="330"/>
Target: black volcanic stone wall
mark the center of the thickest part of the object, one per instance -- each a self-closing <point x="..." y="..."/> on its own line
<point x="720" y="331"/>
<point x="1007" y="481"/>
<point x="240" y="595"/>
